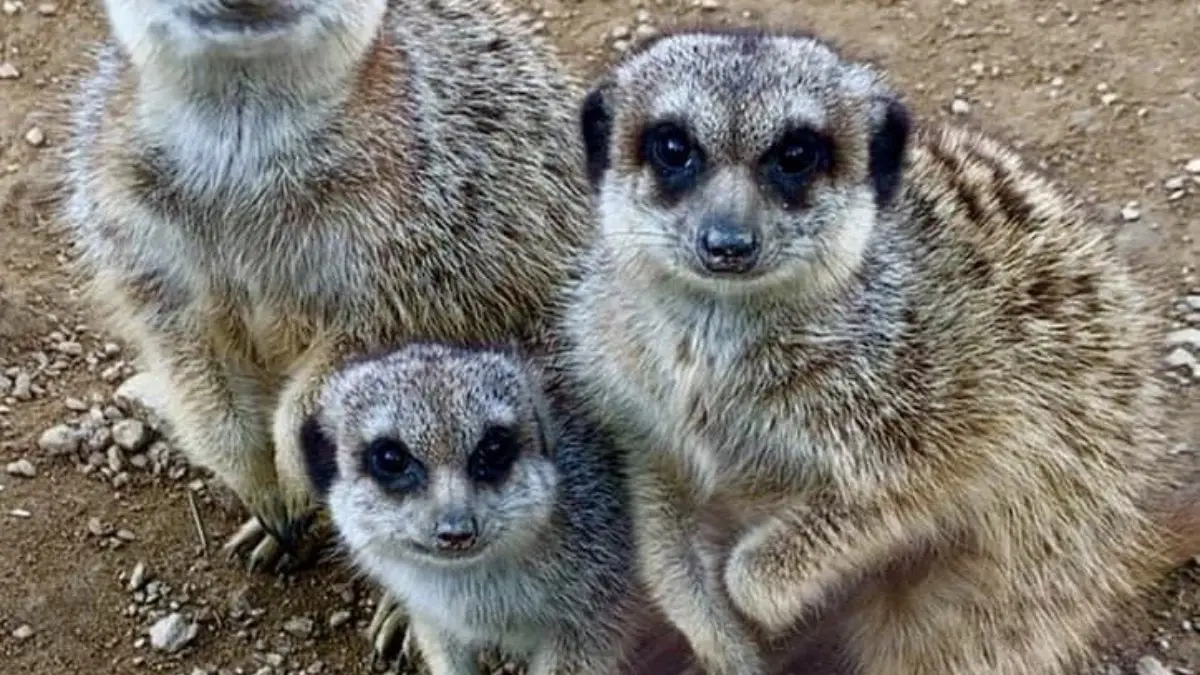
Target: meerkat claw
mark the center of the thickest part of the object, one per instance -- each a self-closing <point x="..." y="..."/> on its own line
<point x="250" y="531"/>
<point x="389" y="623"/>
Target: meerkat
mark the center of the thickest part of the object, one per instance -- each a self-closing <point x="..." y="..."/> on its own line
<point x="489" y="506"/>
<point x="259" y="188"/>
<point x="861" y="342"/>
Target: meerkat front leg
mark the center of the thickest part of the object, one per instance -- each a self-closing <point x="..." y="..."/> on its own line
<point x="577" y="655"/>
<point x="791" y="564"/>
<point x="442" y="654"/>
<point x="217" y="418"/>
<point x="300" y="533"/>
<point x="683" y="576"/>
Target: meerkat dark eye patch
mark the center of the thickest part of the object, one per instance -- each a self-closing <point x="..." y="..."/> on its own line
<point x="674" y="156"/>
<point x="391" y="464"/>
<point x="794" y="160"/>
<point x="494" y="454"/>
<point x="320" y="455"/>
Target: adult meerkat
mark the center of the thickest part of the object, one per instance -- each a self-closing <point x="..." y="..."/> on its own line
<point x="862" y="344"/>
<point x="492" y="509"/>
<point x="259" y="188"/>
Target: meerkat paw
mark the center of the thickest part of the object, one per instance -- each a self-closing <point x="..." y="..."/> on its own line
<point x="390" y="629"/>
<point x="281" y="538"/>
<point x="752" y="581"/>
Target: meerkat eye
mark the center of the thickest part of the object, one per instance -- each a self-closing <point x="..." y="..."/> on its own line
<point x="392" y="465"/>
<point x="669" y="147"/>
<point x="799" y="153"/>
<point x="494" y="455"/>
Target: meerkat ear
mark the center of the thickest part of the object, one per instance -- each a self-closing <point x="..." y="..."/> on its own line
<point x="889" y="143"/>
<point x="538" y="378"/>
<point x="595" y="122"/>
<point x="320" y="455"/>
<point x="548" y="433"/>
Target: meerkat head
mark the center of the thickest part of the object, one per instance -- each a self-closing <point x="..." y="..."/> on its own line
<point x="738" y="160"/>
<point x="433" y="454"/>
<point x="228" y="31"/>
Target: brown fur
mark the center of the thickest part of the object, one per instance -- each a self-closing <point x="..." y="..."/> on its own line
<point x="929" y="416"/>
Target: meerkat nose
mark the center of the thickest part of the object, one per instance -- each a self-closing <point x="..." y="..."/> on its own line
<point x="456" y="532"/>
<point x="725" y="244"/>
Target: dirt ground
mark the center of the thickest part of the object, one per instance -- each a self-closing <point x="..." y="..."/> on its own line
<point x="1105" y="92"/>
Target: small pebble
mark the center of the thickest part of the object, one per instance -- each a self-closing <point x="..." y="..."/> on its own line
<point x="68" y="347"/>
<point x="98" y="528"/>
<point x="131" y="435"/>
<point x="8" y="71"/>
<point x="21" y="468"/>
<point x="35" y="137"/>
<point x="339" y="618"/>
<point x="23" y="632"/>
<point x="645" y="32"/>
<point x="22" y="386"/>
<point x="137" y="578"/>
<point x="960" y="107"/>
<point x="299" y="626"/>
<point x="1193" y="166"/>
<point x="172" y="633"/>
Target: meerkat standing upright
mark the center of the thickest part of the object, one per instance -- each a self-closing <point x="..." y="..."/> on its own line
<point x="861" y="343"/>
<point x="259" y="188"/>
<point x="485" y="500"/>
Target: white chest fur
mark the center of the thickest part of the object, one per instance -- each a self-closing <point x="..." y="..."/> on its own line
<point x="491" y="605"/>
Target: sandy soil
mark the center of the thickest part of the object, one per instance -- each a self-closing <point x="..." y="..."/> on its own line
<point x="1105" y="93"/>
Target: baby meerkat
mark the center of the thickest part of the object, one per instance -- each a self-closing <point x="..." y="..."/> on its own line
<point x="259" y="188"/>
<point x="860" y="343"/>
<point x="494" y="510"/>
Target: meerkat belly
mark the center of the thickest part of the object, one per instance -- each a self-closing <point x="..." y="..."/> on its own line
<point x="686" y="405"/>
<point x="296" y="283"/>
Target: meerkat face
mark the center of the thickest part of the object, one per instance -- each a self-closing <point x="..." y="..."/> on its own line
<point x="433" y="454"/>
<point x="737" y="160"/>
<point x="238" y="29"/>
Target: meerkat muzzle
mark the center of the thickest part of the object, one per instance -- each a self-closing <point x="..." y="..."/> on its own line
<point x="727" y="246"/>
<point x="455" y="533"/>
<point x="244" y="14"/>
